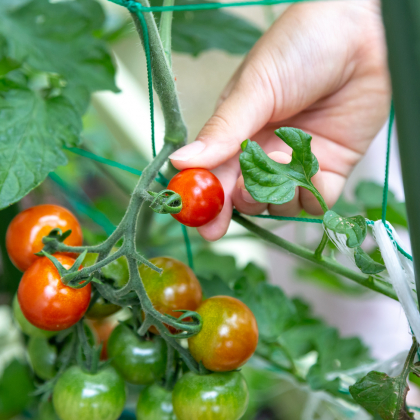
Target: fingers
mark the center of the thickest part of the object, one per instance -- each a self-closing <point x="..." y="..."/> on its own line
<point x="245" y="111"/>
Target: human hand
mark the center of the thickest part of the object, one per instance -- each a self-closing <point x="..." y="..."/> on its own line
<point x="321" y="68"/>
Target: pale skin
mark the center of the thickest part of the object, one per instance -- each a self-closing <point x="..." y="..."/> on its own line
<point x="322" y="67"/>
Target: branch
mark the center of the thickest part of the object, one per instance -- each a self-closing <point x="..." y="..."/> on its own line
<point x="366" y="281"/>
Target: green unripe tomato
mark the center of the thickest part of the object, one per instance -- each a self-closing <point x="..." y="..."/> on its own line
<point x="79" y="395"/>
<point x="25" y="326"/>
<point x="139" y="361"/>
<point x="102" y="309"/>
<point x="155" y="403"/>
<point x="46" y="411"/>
<point x="43" y="357"/>
<point x="218" y="396"/>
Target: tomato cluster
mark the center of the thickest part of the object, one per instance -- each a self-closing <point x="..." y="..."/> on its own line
<point x="44" y="305"/>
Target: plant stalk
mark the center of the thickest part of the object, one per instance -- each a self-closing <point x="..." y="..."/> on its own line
<point x="163" y="80"/>
<point x="165" y="31"/>
<point x="366" y="281"/>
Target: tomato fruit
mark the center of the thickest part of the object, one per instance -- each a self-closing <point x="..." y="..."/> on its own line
<point x="102" y="309"/>
<point x="43" y="357"/>
<point x="45" y="301"/>
<point x="80" y="395"/>
<point x="202" y="196"/>
<point x="229" y="335"/>
<point x="25" y="232"/>
<point x="25" y="326"/>
<point x="46" y="411"/>
<point x="103" y="329"/>
<point x="176" y="288"/>
<point x="155" y="403"/>
<point x="139" y="361"/>
<point x="218" y="396"/>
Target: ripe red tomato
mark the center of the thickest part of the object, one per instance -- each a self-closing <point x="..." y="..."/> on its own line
<point x="45" y="301"/>
<point x="229" y="335"/>
<point x="202" y="196"/>
<point x="176" y="288"/>
<point x="25" y="232"/>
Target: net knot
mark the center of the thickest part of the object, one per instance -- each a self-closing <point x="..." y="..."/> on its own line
<point x="131" y="5"/>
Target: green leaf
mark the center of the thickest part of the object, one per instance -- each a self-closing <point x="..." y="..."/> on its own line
<point x="16" y="386"/>
<point x="63" y="35"/>
<point x="270" y="182"/>
<point x="32" y="135"/>
<point x="353" y="227"/>
<point x="272" y="309"/>
<point x="215" y="286"/>
<point x="208" y="264"/>
<point x="366" y="263"/>
<point x="196" y="32"/>
<point x="381" y="394"/>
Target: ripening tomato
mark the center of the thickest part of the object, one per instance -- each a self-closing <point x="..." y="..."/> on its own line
<point x="79" y="395"/>
<point x="218" y="396"/>
<point x="176" y="288"/>
<point x="45" y="301"/>
<point x="103" y="329"/>
<point x="155" y="403"/>
<point x="202" y="196"/>
<point x="25" y="232"/>
<point x="229" y="335"/>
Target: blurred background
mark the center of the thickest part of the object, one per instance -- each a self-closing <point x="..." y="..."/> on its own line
<point x="117" y="127"/>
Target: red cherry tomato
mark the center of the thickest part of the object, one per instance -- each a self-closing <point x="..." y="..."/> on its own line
<point x="202" y="196"/>
<point x="229" y="335"/>
<point x="25" y="232"/>
<point x="45" y="301"/>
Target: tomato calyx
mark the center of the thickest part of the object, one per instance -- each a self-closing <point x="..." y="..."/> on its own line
<point x="52" y="240"/>
<point x="166" y="202"/>
<point x="190" y="318"/>
<point x="70" y="277"/>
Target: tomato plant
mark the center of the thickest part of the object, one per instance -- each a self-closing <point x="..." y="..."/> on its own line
<point x="229" y="335"/>
<point x="25" y="232"/>
<point x="86" y="396"/>
<point x="155" y="402"/>
<point x="218" y="396"/>
<point x="139" y="361"/>
<point x="170" y="338"/>
<point x="176" y="288"/>
<point x="202" y="196"/>
<point x="103" y="329"/>
<point x="46" y="302"/>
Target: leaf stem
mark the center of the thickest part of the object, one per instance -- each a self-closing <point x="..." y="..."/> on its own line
<point x="366" y="281"/>
<point x="321" y="246"/>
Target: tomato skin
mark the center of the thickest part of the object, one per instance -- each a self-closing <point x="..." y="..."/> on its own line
<point x="218" y="396"/>
<point x="46" y="302"/>
<point x="43" y="357"/>
<point x="25" y="232"/>
<point x="229" y="335"/>
<point x="176" y="288"/>
<point x="139" y="361"/>
<point x="102" y="309"/>
<point x="79" y="395"/>
<point x="202" y="196"/>
<point x="25" y="326"/>
<point x="155" y="403"/>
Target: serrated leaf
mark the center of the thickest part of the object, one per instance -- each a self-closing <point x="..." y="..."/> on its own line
<point x="196" y="32"/>
<point x="353" y="227"/>
<point x="271" y="182"/>
<point x="32" y="134"/>
<point x="366" y="264"/>
<point x="381" y="394"/>
<point x="63" y="35"/>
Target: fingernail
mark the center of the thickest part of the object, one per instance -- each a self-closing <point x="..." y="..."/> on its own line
<point x="246" y="196"/>
<point x="189" y="151"/>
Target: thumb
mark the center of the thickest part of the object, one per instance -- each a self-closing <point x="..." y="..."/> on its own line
<point x="246" y="109"/>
